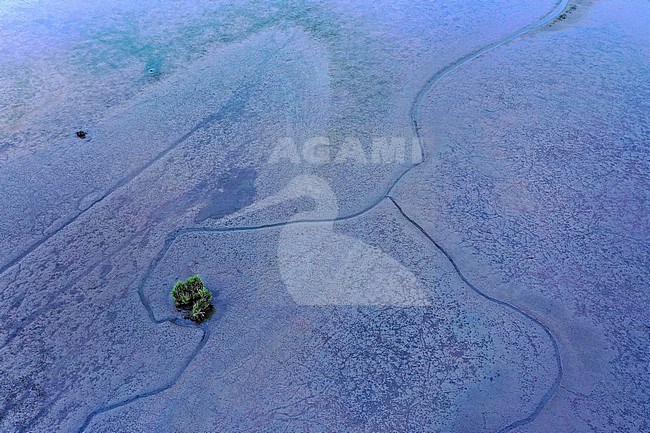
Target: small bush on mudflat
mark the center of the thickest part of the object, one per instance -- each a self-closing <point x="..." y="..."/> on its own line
<point x="192" y="295"/>
<point x="201" y="306"/>
<point x="186" y="292"/>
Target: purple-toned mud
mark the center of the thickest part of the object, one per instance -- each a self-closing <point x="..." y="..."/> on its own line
<point x="485" y="271"/>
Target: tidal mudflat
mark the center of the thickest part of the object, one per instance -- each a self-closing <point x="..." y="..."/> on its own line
<point x="412" y="217"/>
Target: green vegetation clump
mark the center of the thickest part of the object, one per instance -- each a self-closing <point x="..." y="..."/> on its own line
<point x="192" y="295"/>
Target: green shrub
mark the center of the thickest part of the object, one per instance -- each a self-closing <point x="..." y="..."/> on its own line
<point x="201" y="306"/>
<point x="193" y="296"/>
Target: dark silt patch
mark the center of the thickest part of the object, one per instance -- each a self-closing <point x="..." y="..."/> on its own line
<point x="574" y="10"/>
<point x="230" y="193"/>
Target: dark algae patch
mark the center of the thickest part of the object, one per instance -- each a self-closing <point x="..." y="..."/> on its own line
<point x="564" y="15"/>
<point x="192" y="296"/>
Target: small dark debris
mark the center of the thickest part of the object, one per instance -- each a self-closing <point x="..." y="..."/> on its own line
<point x="563" y="16"/>
<point x="81" y="134"/>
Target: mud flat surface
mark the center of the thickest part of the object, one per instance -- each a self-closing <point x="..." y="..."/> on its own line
<point x="486" y="270"/>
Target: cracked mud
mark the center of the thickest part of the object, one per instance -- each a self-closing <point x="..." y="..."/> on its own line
<point x="495" y="282"/>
